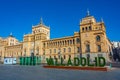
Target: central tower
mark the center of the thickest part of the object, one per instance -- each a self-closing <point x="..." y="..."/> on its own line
<point x="32" y="44"/>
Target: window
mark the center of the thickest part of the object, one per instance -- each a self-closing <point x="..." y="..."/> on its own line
<point x="86" y="28"/>
<point x="43" y="44"/>
<point x="58" y="43"/>
<point x="64" y="50"/>
<point x="82" y="29"/>
<point x="77" y="40"/>
<point x="21" y="53"/>
<point x="54" y="50"/>
<point x="90" y="28"/>
<point x="69" y="49"/>
<point x="99" y="48"/>
<point x="63" y="42"/>
<point x="44" y="52"/>
<point x="50" y="51"/>
<point x="59" y="50"/>
<point x="54" y="57"/>
<point x="78" y="49"/>
<point x="69" y="56"/>
<point x="70" y="41"/>
<point x="64" y="57"/>
<point x="87" y="48"/>
<point x="97" y="38"/>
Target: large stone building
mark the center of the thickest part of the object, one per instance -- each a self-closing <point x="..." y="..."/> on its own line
<point x="91" y="41"/>
<point x="8" y="47"/>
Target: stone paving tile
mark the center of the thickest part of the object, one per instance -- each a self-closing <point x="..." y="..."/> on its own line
<point x="17" y="72"/>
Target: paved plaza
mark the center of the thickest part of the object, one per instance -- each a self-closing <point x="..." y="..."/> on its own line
<point x="17" y="72"/>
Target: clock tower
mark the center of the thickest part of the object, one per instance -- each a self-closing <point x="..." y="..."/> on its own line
<point x="94" y="41"/>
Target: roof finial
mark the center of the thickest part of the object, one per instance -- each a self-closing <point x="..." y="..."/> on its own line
<point x="88" y="12"/>
<point x="41" y="21"/>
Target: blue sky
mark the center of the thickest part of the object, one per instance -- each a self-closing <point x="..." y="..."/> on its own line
<point x="63" y="16"/>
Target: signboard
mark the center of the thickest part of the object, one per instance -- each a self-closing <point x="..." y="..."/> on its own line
<point x="9" y="60"/>
<point x="98" y="62"/>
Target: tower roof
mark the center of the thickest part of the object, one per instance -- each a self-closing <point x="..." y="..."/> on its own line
<point x="40" y="24"/>
<point x="88" y="18"/>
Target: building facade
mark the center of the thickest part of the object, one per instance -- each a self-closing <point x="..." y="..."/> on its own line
<point x="91" y="41"/>
<point x="8" y="47"/>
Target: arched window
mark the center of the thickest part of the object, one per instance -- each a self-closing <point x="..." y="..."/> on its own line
<point x="78" y="49"/>
<point x="69" y="49"/>
<point x="64" y="57"/>
<point x="58" y="43"/>
<point x="97" y="38"/>
<point x="86" y="28"/>
<point x="63" y="42"/>
<point x="90" y="28"/>
<point x="99" y="48"/>
<point x="82" y="29"/>
<point x="64" y="50"/>
<point x="77" y="40"/>
<point x="70" y="41"/>
<point x="54" y="50"/>
<point x="54" y="57"/>
<point x="87" y="48"/>
<point x="59" y="51"/>
<point x="69" y="56"/>
<point x="43" y="44"/>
